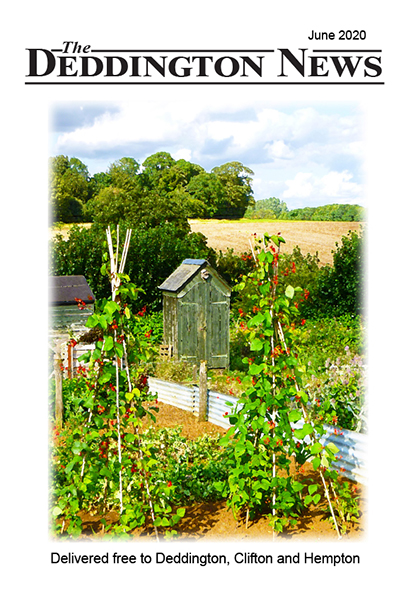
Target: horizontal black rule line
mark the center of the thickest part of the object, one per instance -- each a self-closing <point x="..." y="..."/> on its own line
<point x="205" y="83"/>
<point x="357" y="50"/>
<point x="188" y="51"/>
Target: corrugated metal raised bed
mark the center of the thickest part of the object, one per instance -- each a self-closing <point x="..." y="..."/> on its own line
<point x="352" y="447"/>
<point x="175" y="394"/>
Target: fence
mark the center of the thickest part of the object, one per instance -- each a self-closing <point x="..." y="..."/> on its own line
<point x="352" y="447"/>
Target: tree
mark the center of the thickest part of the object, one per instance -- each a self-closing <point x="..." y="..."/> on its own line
<point x="270" y="204"/>
<point x="206" y="188"/>
<point x="108" y="206"/>
<point x="68" y="188"/>
<point x="237" y="193"/>
<point x="153" y="166"/>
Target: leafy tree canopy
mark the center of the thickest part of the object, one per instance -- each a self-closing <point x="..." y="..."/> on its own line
<point x="162" y="185"/>
<point x="68" y="188"/>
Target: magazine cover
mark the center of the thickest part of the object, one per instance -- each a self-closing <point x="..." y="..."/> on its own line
<point x="209" y="350"/>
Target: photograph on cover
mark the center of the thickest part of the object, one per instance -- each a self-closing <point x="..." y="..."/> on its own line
<point x="207" y="319"/>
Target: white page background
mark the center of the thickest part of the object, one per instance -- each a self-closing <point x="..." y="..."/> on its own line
<point x="387" y="551"/>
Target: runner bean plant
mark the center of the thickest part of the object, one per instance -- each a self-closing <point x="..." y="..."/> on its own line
<point x="272" y="435"/>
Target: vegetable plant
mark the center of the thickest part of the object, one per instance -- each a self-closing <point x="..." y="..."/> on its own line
<point x="272" y="432"/>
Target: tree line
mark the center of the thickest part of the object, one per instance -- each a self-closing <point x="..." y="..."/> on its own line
<point x="162" y="189"/>
<point x="273" y="208"/>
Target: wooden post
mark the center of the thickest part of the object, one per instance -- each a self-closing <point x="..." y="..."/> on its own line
<point x="70" y="355"/>
<point x="59" y="407"/>
<point x="203" y="392"/>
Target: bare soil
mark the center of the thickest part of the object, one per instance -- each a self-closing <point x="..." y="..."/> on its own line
<point x="310" y="236"/>
<point x="212" y="521"/>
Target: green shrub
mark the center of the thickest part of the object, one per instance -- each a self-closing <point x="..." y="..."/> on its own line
<point x="295" y="269"/>
<point x="153" y="255"/>
<point x="339" y="289"/>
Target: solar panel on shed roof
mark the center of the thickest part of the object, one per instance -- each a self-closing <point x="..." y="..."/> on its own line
<point x="64" y="289"/>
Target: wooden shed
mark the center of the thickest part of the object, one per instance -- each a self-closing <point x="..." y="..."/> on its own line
<point x="196" y="314"/>
<point x="71" y="302"/>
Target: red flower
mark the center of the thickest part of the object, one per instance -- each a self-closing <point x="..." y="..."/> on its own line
<point x="169" y="484"/>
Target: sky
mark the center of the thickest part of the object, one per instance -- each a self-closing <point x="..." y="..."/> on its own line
<point x="306" y="154"/>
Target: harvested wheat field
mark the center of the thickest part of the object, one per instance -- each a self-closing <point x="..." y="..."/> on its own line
<point x="310" y="236"/>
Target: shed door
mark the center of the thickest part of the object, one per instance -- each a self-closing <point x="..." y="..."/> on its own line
<point x="204" y="326"/>
<point x="218" y="330"/>
<point x="192" y="325"/>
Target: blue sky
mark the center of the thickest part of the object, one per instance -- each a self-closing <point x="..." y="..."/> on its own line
<point x="306" y="154"/>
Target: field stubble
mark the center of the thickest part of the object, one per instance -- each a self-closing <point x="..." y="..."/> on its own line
<point x="310" y="236"/>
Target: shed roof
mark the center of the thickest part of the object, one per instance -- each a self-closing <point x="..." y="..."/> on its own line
<point x="182" y="275"/>
<point x="63" y="290"/>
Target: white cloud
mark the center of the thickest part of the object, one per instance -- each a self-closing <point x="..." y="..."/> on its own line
<point x="279" y="149"/>
<point x="333" y="187"/>
<point x="183" y="153"/>
<point x="306" y="153"/>
<point x="338" y="185"/>
<point x="299" y="187"/>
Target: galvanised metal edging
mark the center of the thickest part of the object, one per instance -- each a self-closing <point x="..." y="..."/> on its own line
<point x="352" y="447"/>
<point x="175" y="394"/>
<point x="217" y="407"/>
<point x="352" y="450"/>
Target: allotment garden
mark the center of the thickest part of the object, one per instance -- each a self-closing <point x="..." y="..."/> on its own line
<point x="124" y="465"/>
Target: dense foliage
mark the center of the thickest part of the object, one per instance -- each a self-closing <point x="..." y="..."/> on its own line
<point x="339" y="289"/>
<point x="69" y="189"/>
<point x="264" y="434"/>
<point x="288" y="364"/>
<point x="329" y="212"/>
<point x="273" y="208"/>
<point x="268" y="208"/>
<point x="154" y="253"/>
<point x="161" y="190"/>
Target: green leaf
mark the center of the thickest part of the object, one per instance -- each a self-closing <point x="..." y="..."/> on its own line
<point x="105" y="377"/>
<point x="256" y="345"/>
<point x="316" y="462"/>
<point x="88" y="401"/>
<point x="77" y="447"/>
<point x="119" y="349"/>
<point x="108" y="343"/>
<point x="259" y="318"/>
<point x="98" y="421"/>
<point x="111" y="307"/>
<point x="103" y="322"/>
<point x="316" y="448"/>
<point x="277" y="239"/>
<point x="312" y="488"/>
<point x="316" y="498"/>
<point x="332" y="447"/>
<point x="255" y="369"/>
<point x="289" y="292"/>
<point x="294" y="416"/>
<point x="92" y="321"/>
